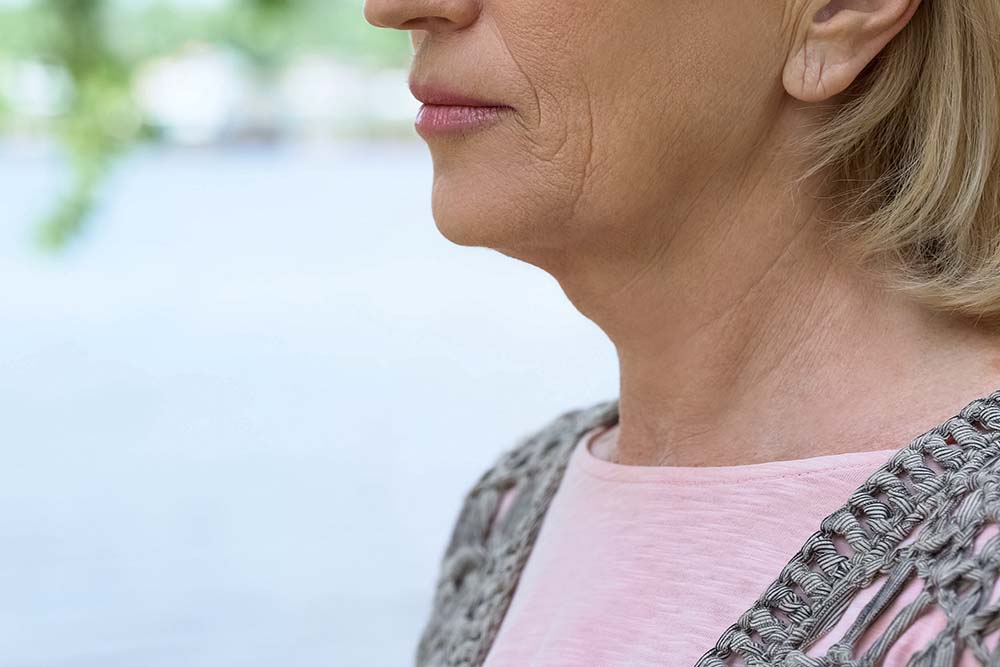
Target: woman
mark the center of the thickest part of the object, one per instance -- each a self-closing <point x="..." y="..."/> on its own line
<point x="786" y="217"/>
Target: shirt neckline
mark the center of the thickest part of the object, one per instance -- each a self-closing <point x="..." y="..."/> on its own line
<point x="594" y="466"/>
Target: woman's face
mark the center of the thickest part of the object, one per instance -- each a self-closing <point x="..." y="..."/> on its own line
<point x="621" y="112"/>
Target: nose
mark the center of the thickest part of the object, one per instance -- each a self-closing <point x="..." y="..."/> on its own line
<point x="431" y="15"/>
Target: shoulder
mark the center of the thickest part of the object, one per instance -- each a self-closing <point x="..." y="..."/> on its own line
<point x="905" y="572"/>
<point x="481" y="561"/>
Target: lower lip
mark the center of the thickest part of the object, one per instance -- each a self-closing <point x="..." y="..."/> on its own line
<point x="439" y="119"/>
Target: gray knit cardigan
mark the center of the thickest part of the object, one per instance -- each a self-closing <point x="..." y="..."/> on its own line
<point x="916" y="515"/>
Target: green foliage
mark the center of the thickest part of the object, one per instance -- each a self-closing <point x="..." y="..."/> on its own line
<point x="100" y="44"/>
<point x="101" y="120"/>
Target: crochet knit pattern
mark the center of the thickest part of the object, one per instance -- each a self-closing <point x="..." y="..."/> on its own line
<point x="916" y="516"/>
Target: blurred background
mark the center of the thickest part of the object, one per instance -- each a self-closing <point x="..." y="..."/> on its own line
<point x="244" y="382"/>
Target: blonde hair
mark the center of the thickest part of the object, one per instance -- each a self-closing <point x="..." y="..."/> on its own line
<point x="914" y="155"/>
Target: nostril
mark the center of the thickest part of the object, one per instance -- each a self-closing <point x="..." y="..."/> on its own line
<point x="426" y="23"/>
<point x="412" y="24"/>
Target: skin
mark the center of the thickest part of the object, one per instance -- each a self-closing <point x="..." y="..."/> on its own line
<point x="647" y="167"/>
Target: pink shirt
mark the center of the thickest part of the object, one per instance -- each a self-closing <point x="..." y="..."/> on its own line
<point x="646" y="566"/>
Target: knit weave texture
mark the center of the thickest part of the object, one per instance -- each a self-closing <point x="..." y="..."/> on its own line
<point x="915" y="516"/>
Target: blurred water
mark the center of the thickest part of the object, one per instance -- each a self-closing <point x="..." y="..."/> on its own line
<point x="238" y="418"/>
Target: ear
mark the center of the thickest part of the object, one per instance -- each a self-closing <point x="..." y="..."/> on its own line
<point x="836" y="40"/>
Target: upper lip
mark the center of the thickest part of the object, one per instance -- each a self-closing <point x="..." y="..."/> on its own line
<point x="433" y="93"/>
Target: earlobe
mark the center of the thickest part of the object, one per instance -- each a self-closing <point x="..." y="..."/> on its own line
<point x="816" y="73"/>
<point x="837" y="41"/>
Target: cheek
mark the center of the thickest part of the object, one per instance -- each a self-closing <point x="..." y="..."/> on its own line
<point x="610" y="130"/>
<point x="686" y="98"/>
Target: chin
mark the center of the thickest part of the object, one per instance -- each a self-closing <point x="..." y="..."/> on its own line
<point x="469" y="214"/>
<point x="503" y="202"/>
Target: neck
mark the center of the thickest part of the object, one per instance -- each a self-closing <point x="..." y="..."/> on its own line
<point x="743" y="338"/>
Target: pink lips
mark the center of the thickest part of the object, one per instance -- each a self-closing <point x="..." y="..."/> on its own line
<point x="445" y="112"/>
